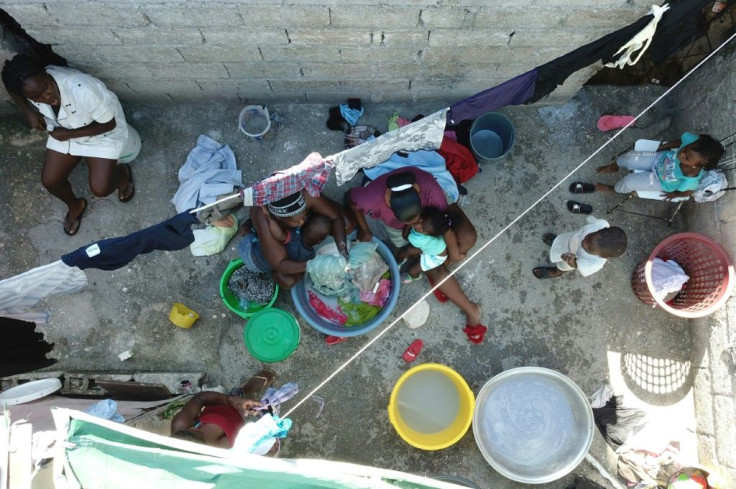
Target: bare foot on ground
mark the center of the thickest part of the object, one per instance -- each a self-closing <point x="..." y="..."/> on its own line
<point x="604" y="189"/>
<point x="473" y="318"/>
<point x="610" y="168"/>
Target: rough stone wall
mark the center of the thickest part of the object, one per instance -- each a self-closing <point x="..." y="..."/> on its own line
<point x="316" y="50"/>
<point x="706" y="103"/>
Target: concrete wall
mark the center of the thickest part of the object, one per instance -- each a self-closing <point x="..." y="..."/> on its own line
<point x="316" y="50"/>
<point x="706" y="103"/>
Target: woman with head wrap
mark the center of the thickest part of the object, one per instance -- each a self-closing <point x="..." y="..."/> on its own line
<point x="280" y="236"/>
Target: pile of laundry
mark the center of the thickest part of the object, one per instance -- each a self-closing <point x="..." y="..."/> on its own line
<point x="348" y="292"/>
<point x="668" y="279"/>
<point x="648" y="446"/>
<point x="248" y="286"/>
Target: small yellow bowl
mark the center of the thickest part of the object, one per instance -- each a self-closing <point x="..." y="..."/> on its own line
<point x="445" y="383"/>
<point x="182" y="316"/>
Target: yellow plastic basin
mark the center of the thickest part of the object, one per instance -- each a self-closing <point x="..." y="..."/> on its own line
<point x="431" y="406"/>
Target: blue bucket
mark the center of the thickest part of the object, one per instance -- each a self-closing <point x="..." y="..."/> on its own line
<point x="301" y="302"/>
<point x="491" y="137"/>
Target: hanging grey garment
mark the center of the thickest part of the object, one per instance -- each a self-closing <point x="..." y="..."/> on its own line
<point x="426" y="134"/>
<point x="28" y="288"/>
<point x="640" y="42"/>
<point x="248" y="286"/>
<point x="209" y="171"/>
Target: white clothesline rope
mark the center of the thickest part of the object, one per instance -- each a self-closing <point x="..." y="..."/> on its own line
<point x="503" y="230"/>
<point x="207" y="206"/>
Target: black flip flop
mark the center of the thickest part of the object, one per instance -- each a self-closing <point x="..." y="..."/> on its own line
<point x="130" y="185"/>
<point x="545" y="272"/>
<point x="548" y="238"/>
<point x="578" y="208"/>
<point x="79" y="220"/>
<point x="581" y="188"/>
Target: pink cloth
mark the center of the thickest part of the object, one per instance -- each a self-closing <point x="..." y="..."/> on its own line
<point x="381" y="295"/>
<point x="402" y="121"/>
<point x="610" y="122"/>
<point x="370" y="199"/>
<point x="310" y="175"/>
<point x="325" y="311"/>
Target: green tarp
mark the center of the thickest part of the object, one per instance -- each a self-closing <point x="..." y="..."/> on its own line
<point x="99" y="453"/>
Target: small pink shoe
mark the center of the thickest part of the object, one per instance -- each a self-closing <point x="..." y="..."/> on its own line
<point x="610" y="122"/>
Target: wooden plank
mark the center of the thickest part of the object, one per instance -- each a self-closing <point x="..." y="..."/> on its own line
<point x="135" y="391"/>
<point x="20" y="462"/>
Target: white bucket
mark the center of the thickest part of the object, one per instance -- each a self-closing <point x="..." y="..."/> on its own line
<point x="132" y="146"/>
<point x="254" y="121"/>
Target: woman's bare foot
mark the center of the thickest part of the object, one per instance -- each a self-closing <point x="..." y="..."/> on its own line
<point x="610" y="168"/>
<point x="604" y="189"/>
<point x="259" y="381"/>
<point x="473" y="317"/>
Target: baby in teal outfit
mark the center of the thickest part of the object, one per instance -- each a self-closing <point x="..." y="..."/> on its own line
<point x="426" y="243"/>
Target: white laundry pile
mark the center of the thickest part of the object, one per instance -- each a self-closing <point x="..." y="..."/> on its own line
<point x="667" y="278"/>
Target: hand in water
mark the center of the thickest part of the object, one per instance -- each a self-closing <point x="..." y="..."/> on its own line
<point x="364" y="235"/>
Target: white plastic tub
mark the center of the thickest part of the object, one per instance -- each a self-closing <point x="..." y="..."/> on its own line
<point x="532" y="424"/>
<point x="254" y="121"/>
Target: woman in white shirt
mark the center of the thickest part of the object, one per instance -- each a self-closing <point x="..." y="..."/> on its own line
<point x="84" y="119"/>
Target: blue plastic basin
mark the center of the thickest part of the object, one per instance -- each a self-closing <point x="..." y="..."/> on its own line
<point x="305" y="310"/>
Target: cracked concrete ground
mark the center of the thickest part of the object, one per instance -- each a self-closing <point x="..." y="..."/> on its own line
<point x="591" y="329"/>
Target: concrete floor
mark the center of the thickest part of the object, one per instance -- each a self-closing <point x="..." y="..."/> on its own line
<point x="591" y="329"/>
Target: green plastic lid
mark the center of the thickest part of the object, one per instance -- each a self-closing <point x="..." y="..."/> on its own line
<point x="271" y="335"/>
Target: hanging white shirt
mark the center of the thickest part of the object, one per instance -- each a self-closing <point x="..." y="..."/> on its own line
<point x="83" y="100"/>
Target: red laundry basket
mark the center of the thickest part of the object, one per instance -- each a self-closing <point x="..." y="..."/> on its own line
<point x="703" y="260"/>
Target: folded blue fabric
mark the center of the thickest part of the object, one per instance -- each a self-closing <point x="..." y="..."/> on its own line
<point x="351" y="115"/>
